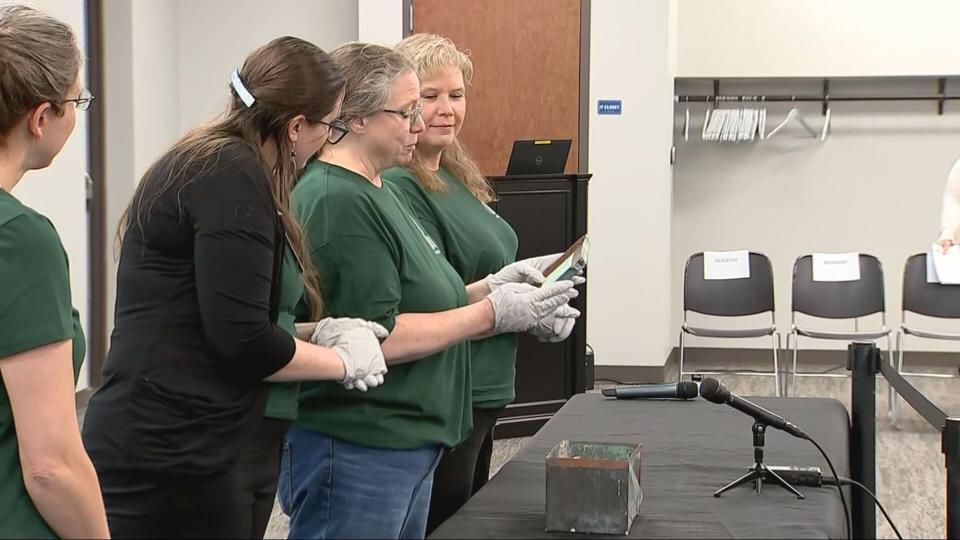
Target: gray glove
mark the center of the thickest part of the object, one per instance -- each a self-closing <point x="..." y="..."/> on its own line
<point x="556" y="326"/>
<point x="526" y="271"/>
<point x="370" y="381"/>
<point x="357" y="343"/>
<point x="542" y="263"/>
<point x="519" y="307"/>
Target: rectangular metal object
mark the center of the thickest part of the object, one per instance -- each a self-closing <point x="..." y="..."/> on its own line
<point x="593" y="487"/>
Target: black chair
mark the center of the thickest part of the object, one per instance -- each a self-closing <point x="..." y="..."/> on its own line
<point x="846" y="300"/>
<point x="927" y="299"/>
<point x="730" y="298"/>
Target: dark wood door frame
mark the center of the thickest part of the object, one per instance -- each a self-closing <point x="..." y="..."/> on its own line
<point x="96" y="195"/>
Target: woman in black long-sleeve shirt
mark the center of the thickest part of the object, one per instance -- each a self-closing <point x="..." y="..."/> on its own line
<point x="197" y="304"/>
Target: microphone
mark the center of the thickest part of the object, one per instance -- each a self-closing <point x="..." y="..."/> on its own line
<point x="713" y="390"/>
<point x="682" y="390"/>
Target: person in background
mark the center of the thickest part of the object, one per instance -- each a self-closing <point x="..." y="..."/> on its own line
<point x="360" y="465"/>
<point x="950" y="214"/>
<point x="449" y="196"/>
<point x="203" y="246"/>
<point x="48" y="486"/>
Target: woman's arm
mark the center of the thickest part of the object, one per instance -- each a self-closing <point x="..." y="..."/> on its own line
<point x="417" y="335"/>
<point x="235" y="229"/>
<point x="57" y="472"/>
<point x="513" y="307"/>
<point x="950" y="213"/>
<point x="311" y="363"/>
<point x="477" y="291"/>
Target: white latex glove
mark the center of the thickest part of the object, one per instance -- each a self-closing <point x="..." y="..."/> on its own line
<point x="357" y="343"/>
<point x="518" y="307"/>
<point x="526" y="271"/>
<point x="542" y="263"/>
<point x="518" y="272"/>
<point x="370" y="381"/>
<point x="556" y="326"/>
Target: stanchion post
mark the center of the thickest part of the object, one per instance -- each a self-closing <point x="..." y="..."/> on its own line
<point x="863" y="360"/>
<point x="951" y="448"/>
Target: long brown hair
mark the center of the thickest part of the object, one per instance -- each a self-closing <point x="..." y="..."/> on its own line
<point x="429" y="54"/>
<point x="288" y="77"/>
<point x="39" y="62"/>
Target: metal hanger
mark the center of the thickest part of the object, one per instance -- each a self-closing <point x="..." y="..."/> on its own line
<point x="793" y="114"/>
<point x="826" y="126"/>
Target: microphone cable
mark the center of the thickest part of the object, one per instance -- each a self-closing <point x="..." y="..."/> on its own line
<point x="843" y="499"/>
<point x="848" y="482"/>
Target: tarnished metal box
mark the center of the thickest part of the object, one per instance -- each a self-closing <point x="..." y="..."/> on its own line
<point x="593" y="487"/>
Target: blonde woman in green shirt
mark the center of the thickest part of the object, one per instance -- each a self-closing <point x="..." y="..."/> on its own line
<point x="48" y="487"/>
<point x="449" y="196"/>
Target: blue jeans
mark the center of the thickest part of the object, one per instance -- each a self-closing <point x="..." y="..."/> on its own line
<point x="333" y="489"/>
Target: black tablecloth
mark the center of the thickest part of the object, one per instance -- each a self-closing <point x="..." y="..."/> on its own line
<point x="690" y="449"/>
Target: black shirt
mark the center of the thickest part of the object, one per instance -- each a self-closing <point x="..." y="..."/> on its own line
<point x="195" y="331"/>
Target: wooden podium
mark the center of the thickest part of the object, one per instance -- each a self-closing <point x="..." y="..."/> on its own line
<point x="549" y="213"/>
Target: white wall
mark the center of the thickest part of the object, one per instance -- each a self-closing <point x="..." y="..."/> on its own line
<point x="59" y="192"/>
<point x="874" y="186"/>
<point x="380" y="21"/>
<point x="167" y="66"/>
<point x="206" y="60"/>
<point x="818" y="38"/>
<point x="630" y="194"/>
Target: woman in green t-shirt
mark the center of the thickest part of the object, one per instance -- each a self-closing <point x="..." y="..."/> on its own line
<point x="48" y="487"/>
<point x="360" y="465"/>
<point x="449" y="195"/>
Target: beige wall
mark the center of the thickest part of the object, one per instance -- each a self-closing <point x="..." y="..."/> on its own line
<point x="380" y="21"/>
<point x="629" y="212"/>
<point x="780" y="38"/>
<point x="167" y="66"/>
<point x="205" y="59"/>
<point x="874" y="186"/>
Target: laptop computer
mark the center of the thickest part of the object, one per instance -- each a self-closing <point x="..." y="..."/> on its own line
<point x="539" y="157"/>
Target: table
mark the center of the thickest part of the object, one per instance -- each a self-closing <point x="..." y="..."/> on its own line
<point x="690" y="449"/>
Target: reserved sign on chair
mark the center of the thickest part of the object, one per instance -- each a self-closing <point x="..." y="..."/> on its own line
<point x="836" y="267"/>
<point x="726" y="265"/>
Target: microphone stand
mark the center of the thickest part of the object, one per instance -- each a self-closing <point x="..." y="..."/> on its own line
<point x="759" y="471"/>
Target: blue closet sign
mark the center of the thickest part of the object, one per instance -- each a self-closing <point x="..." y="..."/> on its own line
<point x="609" y="106"/>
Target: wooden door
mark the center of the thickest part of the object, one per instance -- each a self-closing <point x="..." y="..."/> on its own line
<point x="526" y="83"/>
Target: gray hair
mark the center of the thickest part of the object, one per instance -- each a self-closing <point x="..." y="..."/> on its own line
<point x="369" y="71"/>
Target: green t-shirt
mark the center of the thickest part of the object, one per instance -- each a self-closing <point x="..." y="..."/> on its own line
<point x="476" y="242"/>
<point x="35" y="310"/>
<point x="376" y="262"/>
<point x="282" y="400"/>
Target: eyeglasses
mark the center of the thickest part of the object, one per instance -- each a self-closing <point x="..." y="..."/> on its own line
<point x="337" y="131"/>
<point x="83" y="101"/>
<point x="412" y="116"/>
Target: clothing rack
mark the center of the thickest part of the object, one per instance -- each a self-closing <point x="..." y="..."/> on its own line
<point x="825" y="98"/>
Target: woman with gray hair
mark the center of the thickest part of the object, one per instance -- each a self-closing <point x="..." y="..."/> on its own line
<point x="360" y="465"/>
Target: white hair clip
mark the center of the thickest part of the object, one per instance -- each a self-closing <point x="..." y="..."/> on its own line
<point x="242" y="91"/>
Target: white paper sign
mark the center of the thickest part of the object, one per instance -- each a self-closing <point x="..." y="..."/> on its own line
<point x="946" y="268"/>
<point x="932" y="276"/>
<point x="726" y="265"/>
<point x="836" y="266"/>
